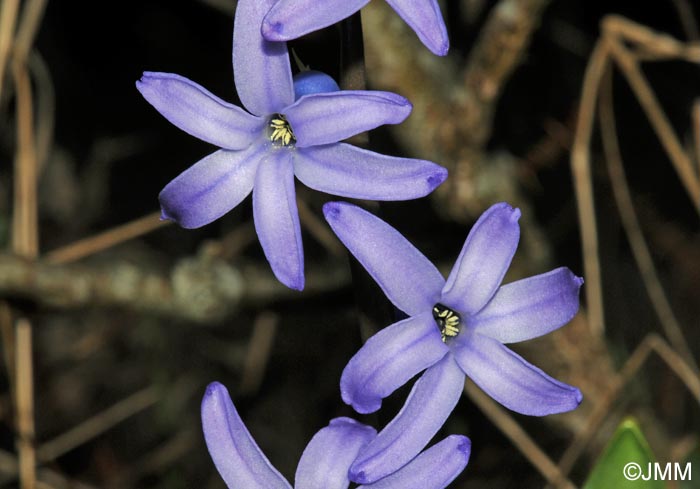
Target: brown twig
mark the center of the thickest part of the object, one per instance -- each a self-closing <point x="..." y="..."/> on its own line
<point x="25" y="231"/>
<point x="8" y="19"/>
<point x="640" y="250"/>
<point x="651" y="343"/>
<point x="258" y="352"/>
<point x="518" y="437"/>
<point x="645" y="95"/>
<point x="24" y="384"/>
<point x="98" y="424"/>
<point x="319" y="230"/>
<point x="583" y="184"/>
<point x="102" y="241"/>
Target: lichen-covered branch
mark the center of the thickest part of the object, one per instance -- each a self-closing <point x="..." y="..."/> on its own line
<point x="199" y="289"/>
<point x="454" y="105"/>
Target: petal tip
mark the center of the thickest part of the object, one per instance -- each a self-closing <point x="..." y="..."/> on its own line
<point x="359" y="476"/>
<point x="465" y="445"/>
<point x="331" y="210"/>
<point x="294" y="282"/>
<point x="578" y="395"/>
<point x="437" y="178"/>
<point x="272" y="31"/>
<point x="442" y="48"/>
<point x="214" y="388"/>
<point x="361" y="406"/>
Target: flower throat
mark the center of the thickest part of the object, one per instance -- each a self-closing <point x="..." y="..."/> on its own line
<point x="448" y="321"/>
<point x="281" y="133"/>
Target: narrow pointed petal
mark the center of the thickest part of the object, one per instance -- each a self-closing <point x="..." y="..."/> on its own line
<point x="324" y="118"/>
<point x="435" y="468"/>
<point x="426" y="20"/>
<point x="349" y="171"/>
<point x="261" y="69"/>
<point x="234" y="452"/>
<point x="277" y="219"/>
<point x="407" y="277"/>
<point x="196" y="111"/>
<point x="484" y="260"/>
<point x="510" y="380"/>
<point x="389" y="359"/>
<point x="429" y="404"/>
<point x="530" y="308"/>
<point x="294" y="18"/>
<point x="327" y="458"/>
<point x="211" y="187"/>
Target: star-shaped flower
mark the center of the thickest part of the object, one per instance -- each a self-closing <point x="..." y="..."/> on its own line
<point x="262" y="151"/>
<point x="455" y="328"/>
<point x="325" y="461"/>
<point x="290" y="19"/>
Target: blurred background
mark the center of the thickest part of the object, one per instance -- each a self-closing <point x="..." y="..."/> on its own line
<point x="113" y="322"/>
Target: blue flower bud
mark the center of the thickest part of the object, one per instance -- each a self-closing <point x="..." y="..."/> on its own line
<point x="310" y="82"/>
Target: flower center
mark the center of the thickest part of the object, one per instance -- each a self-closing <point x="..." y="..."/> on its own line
<point x="281" y="133"/>
<point x="448" y="321"/>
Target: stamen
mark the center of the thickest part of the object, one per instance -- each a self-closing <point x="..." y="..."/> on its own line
<point x="281" y="132"/>
<point x="448" y="321"/>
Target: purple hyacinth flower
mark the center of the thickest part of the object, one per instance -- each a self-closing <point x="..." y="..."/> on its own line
<point x="290" y="19"/>
<point x="456" y="328"/>
<point x="326" y="459"/>
<point x="262" y="150"/>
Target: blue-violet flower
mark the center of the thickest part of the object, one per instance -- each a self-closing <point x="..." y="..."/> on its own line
<point x="290" y="19"/>
<point x="263" y="150"/>
<point x="455" y="328"/>
<point x="325" y="461"/>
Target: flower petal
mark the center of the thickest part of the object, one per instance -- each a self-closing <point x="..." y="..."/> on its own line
<point x="324" y="118"/>
<point x="484" y="259"/>
<point x="348" y="171"/>
<point x="512" y="381"/>
<point x="277" y="219"/>
<point x="197" y="112"/>
<point x="294" y="18"/>
<point x="435" y="468"/>
<point x="426" y="20"/>
<point x="211" y="187"/>
<point x="529" y="308"/>
<point x="430" y="402"/>
<point x="326" y="459"/>
<point x="234" y="452"/>
<point x="407" y="277"/>
<point x="389" y="359"/>
<point x="261" y="69"/>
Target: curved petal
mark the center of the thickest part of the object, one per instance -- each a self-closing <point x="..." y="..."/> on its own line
<point x="426" y="20"/>
<point x="211" y="187"/>
<point x="484" y="259"/>
<point x="261" y="68"/>
<point x="277" y="219"/>
<point x="326" y="459"/>
<point x="389" y="359"/>
<point x="530" y="307"/>
<point x="512" y="381"/>
<point x="294" y="18"/>
<point x="407" y="277"/>
<point x="234" y="452"/>
<point x="435" y="468"/>
<point x="199" y="113"/>
<point x="324" y="118"/>
<point x="348" y="171"/>
<point x="429" y="404"/>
